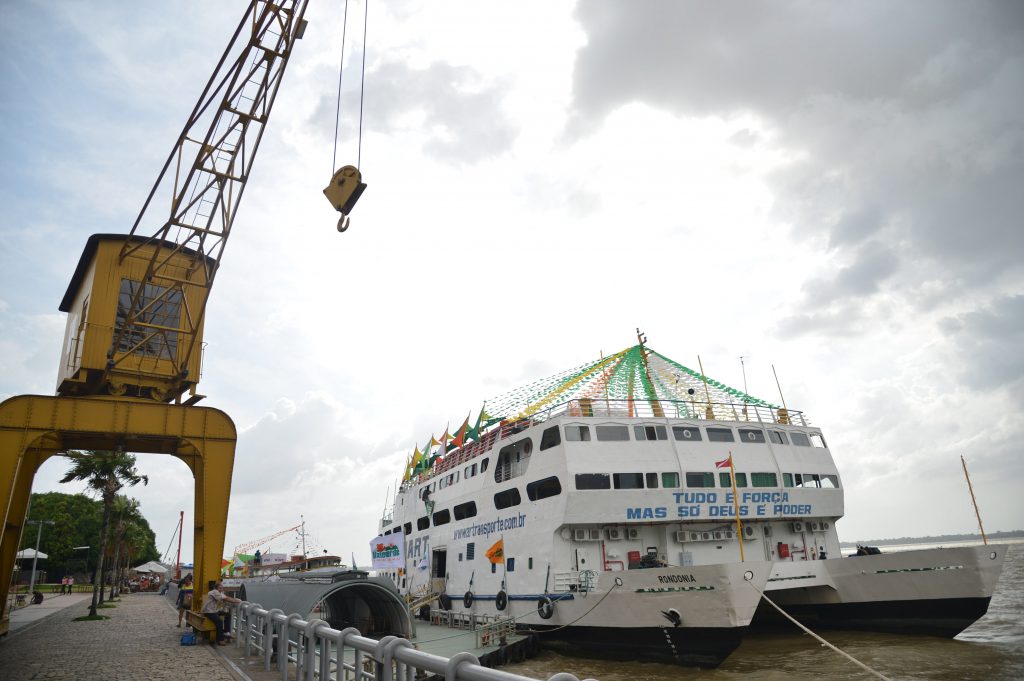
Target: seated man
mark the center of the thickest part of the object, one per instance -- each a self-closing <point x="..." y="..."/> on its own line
<point x="211" y="609"/>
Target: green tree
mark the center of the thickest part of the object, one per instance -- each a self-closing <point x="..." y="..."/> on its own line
<point x="106" y="473"/>
<point x="77" y="520"/>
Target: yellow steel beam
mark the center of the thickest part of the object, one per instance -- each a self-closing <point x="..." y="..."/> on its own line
<point x="34" y="427"/>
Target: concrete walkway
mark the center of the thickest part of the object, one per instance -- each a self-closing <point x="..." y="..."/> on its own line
<point x="139" y="641"/>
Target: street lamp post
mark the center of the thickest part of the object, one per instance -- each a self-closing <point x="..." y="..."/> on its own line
<point x="35" y="558"/>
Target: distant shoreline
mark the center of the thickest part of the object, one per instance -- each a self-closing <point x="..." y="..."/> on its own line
<point x="897" y="541"/>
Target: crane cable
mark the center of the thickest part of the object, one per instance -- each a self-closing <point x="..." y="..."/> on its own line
<point x="362" y="83"/>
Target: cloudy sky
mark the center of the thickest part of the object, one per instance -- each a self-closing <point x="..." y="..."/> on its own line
<point x="832" y="188"/>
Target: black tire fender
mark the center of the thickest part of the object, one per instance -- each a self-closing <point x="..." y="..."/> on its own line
<point x="445" y="601"/>
<point x="467" y="600"/>
<point x="501" y="600"/>
<point x="545" y="607"/>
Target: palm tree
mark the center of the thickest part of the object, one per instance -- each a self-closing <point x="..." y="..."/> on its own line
<point x="125" y="514"/>
<point x="106" y="473"/>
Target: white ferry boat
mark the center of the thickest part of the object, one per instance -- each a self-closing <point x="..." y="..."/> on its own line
<point x="599" y="509"/>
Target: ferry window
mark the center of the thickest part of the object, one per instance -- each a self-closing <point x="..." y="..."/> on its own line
<point x="387" y="532"/>
<point x="593" y="481"/>
<point x="443" y="482"/>
<point x="800" y="440"/>
<point x="466" y="510"/>
<point x="494" y="568"/>
<point x="612" y="433"/>
<point x="408" y="528"/>
<point x="720" y="435"/>
<point x="700" y="480"/>
<point x="787" y="479"/>
<point x="650" y="433"/>
<point x="442" y="517"/>
<point x="670" y="479"/>
<point x="396" y="528"/>
<point x="483" y="465"/>
<point x="818" y="440"/>
<point x="724" y="481"/>
<point x="763" y="480"/>
<point x="472" y="471"/>
<point x="550" y="438"/>
<point x="778" y="437"/>
<point x="466" y="473"/>
<point x="513" y="460"/>
<point x="686" y="433"/>
<point x="830" y="481"/>
<point x="808" y="480"/>
<point x="509" y="497"/>
<point x="510" y="564"/>
<point x="542" y="489"/>
<point x="470" y="550"/>
<point x="751" y="435"/>
<point x="423" y="523"/>
<point x="577" y="433"/>
<point x="628" y="480"/>
<point x="529" y="565"/>
<point x="652" y="480"/>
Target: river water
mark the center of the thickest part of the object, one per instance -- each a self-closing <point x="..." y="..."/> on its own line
<point x="991" y="649"/>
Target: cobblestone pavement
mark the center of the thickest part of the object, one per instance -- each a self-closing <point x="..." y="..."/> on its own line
<point x="138" y="643"/>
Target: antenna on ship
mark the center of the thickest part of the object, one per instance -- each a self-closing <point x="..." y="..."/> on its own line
<point x="746" y="392"/>
<point x="784" y="412"/>
<point x="710" y="411"/>
<point x="653" y="398"/>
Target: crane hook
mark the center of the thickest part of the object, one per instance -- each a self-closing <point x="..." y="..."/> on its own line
<point x="344" y="190"/>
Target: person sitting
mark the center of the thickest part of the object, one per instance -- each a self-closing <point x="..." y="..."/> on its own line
<point x="211" y="609"/>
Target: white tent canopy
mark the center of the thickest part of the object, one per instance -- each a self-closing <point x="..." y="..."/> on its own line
<point x="30" y="553"/>
<point x="151" y="566"/>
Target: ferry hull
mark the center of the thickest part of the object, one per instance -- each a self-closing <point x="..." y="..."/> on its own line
<point x="705" y="647"/>
<point x="693" y="616"/>
<point x="939" y="592"/>
<point x="944" y="617"/>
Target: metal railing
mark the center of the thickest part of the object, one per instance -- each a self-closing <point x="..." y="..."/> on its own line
<point x="740" y="412"/>
<point x="312" y="650"/>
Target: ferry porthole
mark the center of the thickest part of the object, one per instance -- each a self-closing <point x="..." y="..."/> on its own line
<point x="501" y="600"/>
<point x="992" y="555"/>
<point x="545" y="608"/>
<point x="748" y="575"/>
<point x="467" y="600"/>
<point x="618" y="581"/>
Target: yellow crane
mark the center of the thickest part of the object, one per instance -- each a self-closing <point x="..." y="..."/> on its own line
<point x="249" y="545"/>
<point x="136" y="303"/>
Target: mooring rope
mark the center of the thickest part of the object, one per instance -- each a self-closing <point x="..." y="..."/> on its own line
<point x="823" y="642"/>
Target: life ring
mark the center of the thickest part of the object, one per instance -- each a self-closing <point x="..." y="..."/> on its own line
<point x="545" y="608"/>
<point x="501" y="600"/>
<point x="467" y="600"/>
<point x="445" y="601"/>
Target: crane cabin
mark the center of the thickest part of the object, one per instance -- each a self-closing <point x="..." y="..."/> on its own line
<point x="129" y="335"/>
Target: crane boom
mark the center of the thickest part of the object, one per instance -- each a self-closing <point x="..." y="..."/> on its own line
<point x="203" y="179"/>
<point x="244" y="548"/>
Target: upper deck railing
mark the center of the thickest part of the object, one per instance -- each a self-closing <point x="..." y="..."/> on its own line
<point x="739" y="412"/>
